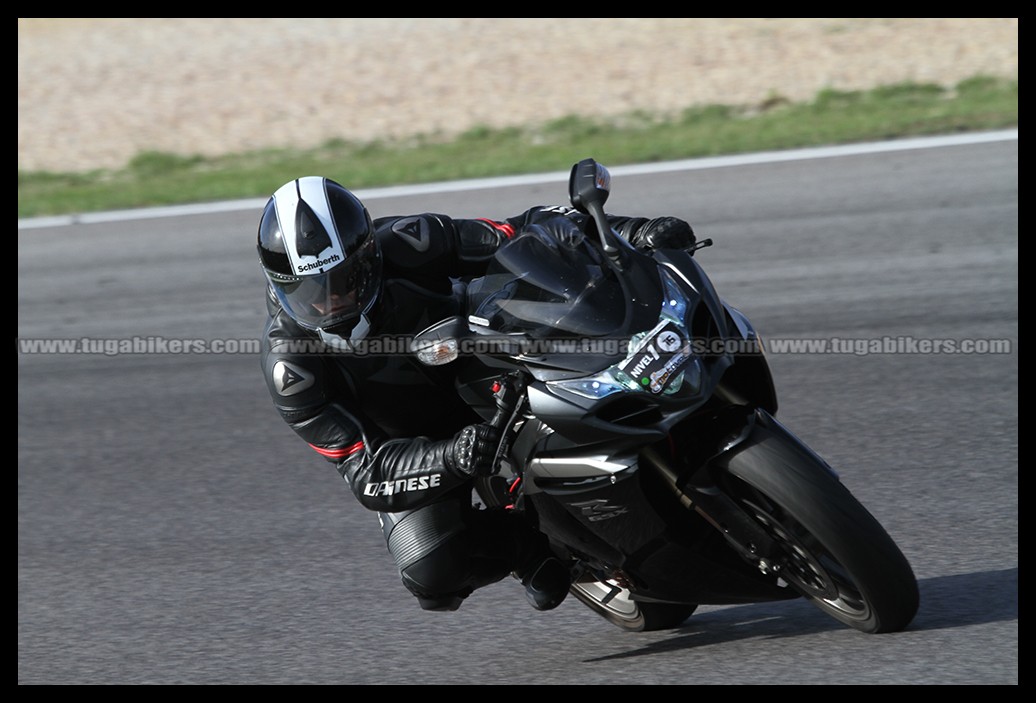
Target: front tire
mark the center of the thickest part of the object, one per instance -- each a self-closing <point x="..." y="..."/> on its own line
<point x="831" y="549"/>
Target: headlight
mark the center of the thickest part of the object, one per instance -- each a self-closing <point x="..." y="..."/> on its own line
<point x="599" y="386"/>
<point x="674" y="307"/>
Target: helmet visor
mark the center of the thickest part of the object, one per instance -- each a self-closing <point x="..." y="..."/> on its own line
<point x="338" y="295"/>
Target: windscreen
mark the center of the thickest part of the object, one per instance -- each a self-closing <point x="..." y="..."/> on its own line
<point x="549" y="284"/>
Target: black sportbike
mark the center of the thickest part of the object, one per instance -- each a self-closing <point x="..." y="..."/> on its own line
<point x="639" y="435"/>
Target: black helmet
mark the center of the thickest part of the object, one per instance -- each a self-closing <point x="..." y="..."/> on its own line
<point x="317" y="247"/>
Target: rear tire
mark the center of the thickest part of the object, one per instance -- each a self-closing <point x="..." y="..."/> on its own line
<point x="612" y="602"/>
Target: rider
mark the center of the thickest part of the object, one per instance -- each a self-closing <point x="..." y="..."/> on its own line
<point x="398" y="433"/>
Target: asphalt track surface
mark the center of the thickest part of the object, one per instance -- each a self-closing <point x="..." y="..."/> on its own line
<point x="172" y="530"/>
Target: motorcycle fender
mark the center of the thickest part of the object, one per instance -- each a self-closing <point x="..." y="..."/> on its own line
<point x="763" y="439"/>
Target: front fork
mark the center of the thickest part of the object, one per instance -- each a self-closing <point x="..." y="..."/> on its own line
<point x="740" y="530"/>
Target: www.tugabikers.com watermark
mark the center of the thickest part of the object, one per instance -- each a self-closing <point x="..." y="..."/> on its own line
<point x="862" y="346"/>
<point x="513" y="345"/>
<point x="157" y="345"/>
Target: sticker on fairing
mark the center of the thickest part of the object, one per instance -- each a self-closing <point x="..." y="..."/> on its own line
<point x="659" y="359"/>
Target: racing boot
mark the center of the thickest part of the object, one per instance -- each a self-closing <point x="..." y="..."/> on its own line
<point x="546" y="582"/>
<point x="545" y="577"/>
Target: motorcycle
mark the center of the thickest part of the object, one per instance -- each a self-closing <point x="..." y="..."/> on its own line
<point x="637" y="410"/>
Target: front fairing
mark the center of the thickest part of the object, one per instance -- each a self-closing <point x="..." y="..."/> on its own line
<point x="669" y="370"/>
<point x="613" y="352"/>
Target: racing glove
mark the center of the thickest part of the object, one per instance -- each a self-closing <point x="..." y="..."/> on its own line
<point x="472" y="450"/>
<point x="663" y="233"/>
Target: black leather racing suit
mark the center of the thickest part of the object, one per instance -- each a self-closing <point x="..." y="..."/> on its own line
<point x="385" y="420"/>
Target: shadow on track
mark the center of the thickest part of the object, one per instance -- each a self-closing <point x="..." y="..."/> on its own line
<point x="946" y="602"/>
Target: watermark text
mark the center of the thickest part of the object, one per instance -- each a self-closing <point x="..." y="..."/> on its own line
<point x="515" y="345"/>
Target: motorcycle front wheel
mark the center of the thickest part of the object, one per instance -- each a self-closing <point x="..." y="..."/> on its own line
<point x="613" y="602"/>
<point x="831" y="549"/>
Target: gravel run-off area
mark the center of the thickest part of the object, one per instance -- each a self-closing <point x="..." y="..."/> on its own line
<point x="93" y="93"/>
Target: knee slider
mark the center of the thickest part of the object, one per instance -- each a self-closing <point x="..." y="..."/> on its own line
<point x="431" y="551"/>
